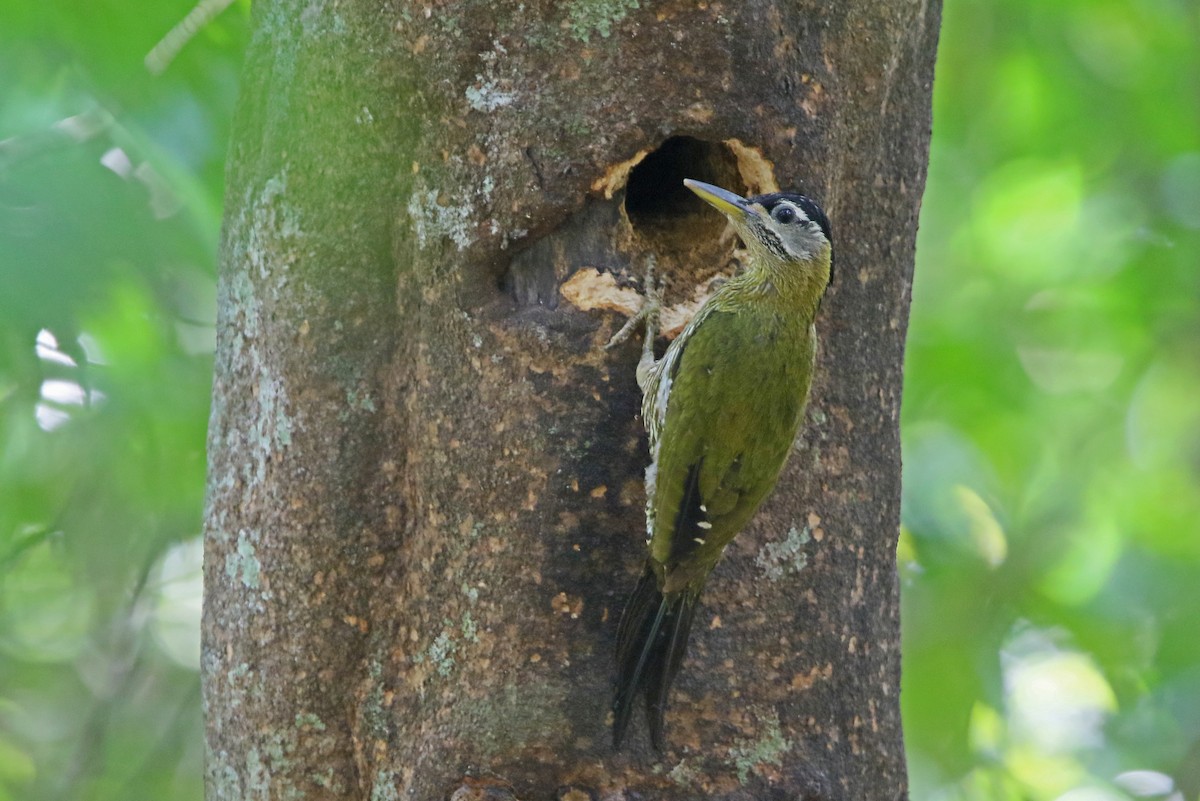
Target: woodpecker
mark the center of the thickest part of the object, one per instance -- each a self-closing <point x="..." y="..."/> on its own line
<point x="722" y="408"/>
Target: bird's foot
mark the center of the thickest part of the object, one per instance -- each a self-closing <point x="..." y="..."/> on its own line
<point x="649" y="311"/>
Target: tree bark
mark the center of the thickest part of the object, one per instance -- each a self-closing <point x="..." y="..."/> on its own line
<point x="425" y="502"/>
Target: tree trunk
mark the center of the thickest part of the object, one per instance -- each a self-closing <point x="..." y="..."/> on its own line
<point x="425" y="502"/>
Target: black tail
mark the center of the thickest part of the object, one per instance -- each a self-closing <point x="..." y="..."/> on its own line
<point x="651" y="641"/>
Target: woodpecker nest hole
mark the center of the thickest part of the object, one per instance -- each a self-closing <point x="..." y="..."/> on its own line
<point x="661" y="209"/>
<point x="597" y="259"/>
<point x="692" y="243"/>
<point x="667" y="218"/>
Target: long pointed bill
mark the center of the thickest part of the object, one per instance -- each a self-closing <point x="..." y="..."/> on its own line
<point x="729" y="204"/>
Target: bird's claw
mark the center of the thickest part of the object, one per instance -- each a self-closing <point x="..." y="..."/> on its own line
<point x="648" y="312"/>
<point x="626" y="331"/>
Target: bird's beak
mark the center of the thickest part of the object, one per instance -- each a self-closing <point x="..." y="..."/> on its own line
<point x="732" y="206"/>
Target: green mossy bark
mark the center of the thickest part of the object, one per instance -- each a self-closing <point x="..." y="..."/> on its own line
<point x="425" y="502"/>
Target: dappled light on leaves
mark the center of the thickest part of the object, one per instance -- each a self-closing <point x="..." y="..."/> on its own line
<point x="1052" y="378"/>
<point x="110" y="190"/>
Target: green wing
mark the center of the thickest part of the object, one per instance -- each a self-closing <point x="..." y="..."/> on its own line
<point x="736" y="398"/>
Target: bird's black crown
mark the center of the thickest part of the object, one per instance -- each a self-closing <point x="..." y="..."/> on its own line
<point x="810" y="207"/>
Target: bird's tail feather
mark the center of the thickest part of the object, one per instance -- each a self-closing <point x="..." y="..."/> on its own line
<point x="651" y="642"/>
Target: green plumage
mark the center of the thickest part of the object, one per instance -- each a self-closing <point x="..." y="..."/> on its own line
<point x="722" y="407"/>
<point x="734" y="406"/>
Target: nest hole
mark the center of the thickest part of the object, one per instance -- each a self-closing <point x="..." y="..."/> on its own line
<point x="643" y="208"/>
<point x="664" y="211"/>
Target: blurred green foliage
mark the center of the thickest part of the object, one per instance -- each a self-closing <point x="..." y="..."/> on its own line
<point x="1050" y="555"/>
<point x="110" y="199"/>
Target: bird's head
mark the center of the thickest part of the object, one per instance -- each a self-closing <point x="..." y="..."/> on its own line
<point x="783" y="229"/>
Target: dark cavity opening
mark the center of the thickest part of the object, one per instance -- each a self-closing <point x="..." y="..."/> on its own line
<point x="660" y="207"/>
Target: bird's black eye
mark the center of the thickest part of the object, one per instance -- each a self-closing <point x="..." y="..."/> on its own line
<point x="785" y="214"/>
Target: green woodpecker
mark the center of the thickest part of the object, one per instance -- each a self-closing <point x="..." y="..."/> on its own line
<point x="722" y="408"/>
